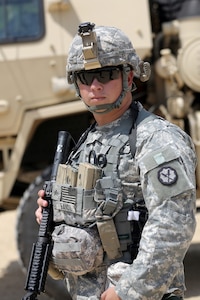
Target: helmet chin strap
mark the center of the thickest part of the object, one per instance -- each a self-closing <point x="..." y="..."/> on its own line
<point x="105" y="108"/>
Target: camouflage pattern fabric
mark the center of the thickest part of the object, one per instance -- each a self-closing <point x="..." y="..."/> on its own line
<point x="89" y="286"/>
<point x="166" y="160"/>
<point x="76" y="250"/>
<point x="114" y="48"/>
<point x="162" y="173"/>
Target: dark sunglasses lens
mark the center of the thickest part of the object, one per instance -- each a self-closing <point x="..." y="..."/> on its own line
<point x="102" y="75"/>
<point x="107" y="75"/>
<point x="86" y="77"/>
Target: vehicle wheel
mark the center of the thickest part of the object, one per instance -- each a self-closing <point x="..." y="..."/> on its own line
<point x="27" y="232"/>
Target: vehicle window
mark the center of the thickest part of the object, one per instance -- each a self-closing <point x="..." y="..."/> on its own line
<point x="21" y="20"/>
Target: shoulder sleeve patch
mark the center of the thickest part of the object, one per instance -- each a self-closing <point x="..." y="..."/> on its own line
<point x="167" y="175"/>
<point x="169" y="180"/>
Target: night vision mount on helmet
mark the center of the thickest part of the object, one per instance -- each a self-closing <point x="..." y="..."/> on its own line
<point x="98" y="47"/>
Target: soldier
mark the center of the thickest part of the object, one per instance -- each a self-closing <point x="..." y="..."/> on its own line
<point x="125" y="212"/>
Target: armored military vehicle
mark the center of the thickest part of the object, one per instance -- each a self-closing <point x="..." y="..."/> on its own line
<point x="36" y="101"/>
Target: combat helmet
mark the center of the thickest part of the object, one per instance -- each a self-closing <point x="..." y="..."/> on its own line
<point x="103" y="46"/>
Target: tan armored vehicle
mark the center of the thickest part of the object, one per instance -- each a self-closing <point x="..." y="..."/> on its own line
<point x="36" y="101"/>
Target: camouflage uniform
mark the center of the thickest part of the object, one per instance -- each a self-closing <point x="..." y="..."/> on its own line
<point x="161" y="175"/>
<point x="162" y="172"/>
<point x="170" y="201"/>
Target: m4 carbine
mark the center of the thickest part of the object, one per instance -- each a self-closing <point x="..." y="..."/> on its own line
<point x="42" y="249"/>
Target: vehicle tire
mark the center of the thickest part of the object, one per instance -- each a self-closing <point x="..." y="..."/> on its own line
<point x="27" y="232"/>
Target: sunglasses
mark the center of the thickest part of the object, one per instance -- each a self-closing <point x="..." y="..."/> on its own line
<point x="103" y="75"/>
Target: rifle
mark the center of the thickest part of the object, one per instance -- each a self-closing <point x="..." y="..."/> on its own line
<point x="42" y="249"/>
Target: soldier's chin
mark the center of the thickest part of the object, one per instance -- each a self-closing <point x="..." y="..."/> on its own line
<point x="99" y="109"/>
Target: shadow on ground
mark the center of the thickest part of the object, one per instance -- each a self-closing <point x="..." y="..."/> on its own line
<point x="12" y="283"/>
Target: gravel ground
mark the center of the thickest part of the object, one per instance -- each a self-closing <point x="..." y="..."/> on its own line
<point x="12" y="278"/>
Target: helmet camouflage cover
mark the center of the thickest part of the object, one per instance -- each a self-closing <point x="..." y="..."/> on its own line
<point x="113" y="48"/>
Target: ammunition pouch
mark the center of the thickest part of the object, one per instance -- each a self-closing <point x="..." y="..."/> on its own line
<point x="76" y="250"/>
<point x="108" y="195"/>
<point x="121" y="235"/>
<point x="73" y="195"/>
<point x="82" y="198"/>
<point x="109" y="238"/>
<point x="73" y="205"/>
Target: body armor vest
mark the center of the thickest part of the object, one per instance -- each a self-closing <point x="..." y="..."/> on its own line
<point x="103" y="188"/>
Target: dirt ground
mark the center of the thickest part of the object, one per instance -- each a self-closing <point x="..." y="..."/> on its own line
<point x="12" y="279"/>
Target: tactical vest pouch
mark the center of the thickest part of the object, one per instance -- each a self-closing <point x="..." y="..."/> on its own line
<point x="73" y="194"/>
<point x="109" y="238"/>
<point x="73" y="205"/>
<point x="108" y="195"/>
<point x="76" y="250"/>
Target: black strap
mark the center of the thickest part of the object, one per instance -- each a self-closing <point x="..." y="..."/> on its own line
<point x="144" y="116"/>
<point x="132" y="134"/>
<point x="80" y="141"/>
<point x="171" y="297"/>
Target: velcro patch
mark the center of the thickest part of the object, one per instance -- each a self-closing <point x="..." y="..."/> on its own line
<point x="167" y="175"/>
<point x="169" y="179"/>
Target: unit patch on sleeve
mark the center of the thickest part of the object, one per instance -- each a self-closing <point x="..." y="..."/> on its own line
<point x="167" y="175"/>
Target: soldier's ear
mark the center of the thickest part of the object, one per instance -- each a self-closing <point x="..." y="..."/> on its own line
<point x="130" y="77"/>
